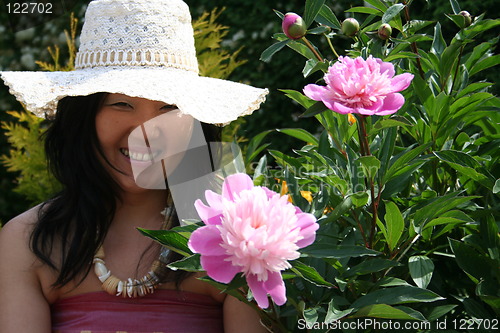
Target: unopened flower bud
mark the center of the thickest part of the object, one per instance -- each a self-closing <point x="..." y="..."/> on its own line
<point x="467" y="17"/>
<point x="384" y="31"/>
<point x="350" y="27"/>
<point x="293" y="26"/>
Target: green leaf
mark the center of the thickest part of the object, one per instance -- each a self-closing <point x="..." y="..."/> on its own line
<point x="318" y="30"/>
<point x="437" y="207"/>
<point x="315" y="109"/>
<point x="390" y="281"/>
<point x="311" y="10"/>
<point x="341" y="208"/>
<point x="377" y="4"/>
<point x="399" y="162"/>
<point x="370" y="166"/>
<point x="395" y="224"/>
<point x="271" y="50"/>
<point x="327" y="17"/>
<point x="170" y="239"/>
<point x="396" y="295"/>
<point x="455" y="7"/>
<point x="365" y="10"/>
<point x="336" y="251"/>
<point x="359" y="199"/>
<point x="466" y="165"/>
<point x="300" y="134"/>
<point x="254" y="148"/>
<point x="190" y="264"/>
<point x="438" y="43"/>
<point x="496" y="188"/>
<point x="382" y="311"/>
<point x="313" y="65"/>
<point x="450" y="217"/>
<point x="486" y="63"/>
<point x="439" y="311"/>
<point x="473" y="87"/>
<point x="298" y="97"/>
<point x="421" y="269"/>
<point x="392" y="12"/>
<point x="334" y="313"/>
<point x="475" y="264"/>
<point x="370" y="266"/>
<point x="309" y="273"/>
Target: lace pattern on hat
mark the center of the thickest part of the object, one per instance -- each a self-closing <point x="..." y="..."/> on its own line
<point x="91" y="59"/>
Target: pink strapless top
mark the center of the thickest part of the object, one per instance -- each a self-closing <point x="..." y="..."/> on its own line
<point x="165" y="311"/>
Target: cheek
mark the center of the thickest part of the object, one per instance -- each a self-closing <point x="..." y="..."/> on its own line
<point x="108" y="129"/>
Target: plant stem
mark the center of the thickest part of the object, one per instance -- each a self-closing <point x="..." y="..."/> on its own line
<point x="365" y="151"/>
<point x="360" y="227"/>
<point x="311" y="47"/>
<point x="413" y="45"/>
<point x="331" y="46"/>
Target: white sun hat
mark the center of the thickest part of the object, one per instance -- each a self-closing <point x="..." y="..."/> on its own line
<point x="140" y="48"/>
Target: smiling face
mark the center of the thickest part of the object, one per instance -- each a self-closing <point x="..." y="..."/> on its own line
<point x="135" y="133"/>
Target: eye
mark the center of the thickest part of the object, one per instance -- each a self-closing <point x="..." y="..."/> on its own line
<point x="122" y="105"/>
<point x="168" y="107"/>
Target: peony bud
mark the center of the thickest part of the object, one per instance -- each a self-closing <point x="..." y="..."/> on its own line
<point x="294" y="26"/>
<point x="350" y="27"/>
<point x="384" y="31"/>
<point x="467" y="17"/>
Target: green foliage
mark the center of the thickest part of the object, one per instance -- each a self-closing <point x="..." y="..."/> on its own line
<point x="408" y="204"/>
<point x="213" y="60"/>
<point x="27" y="157"/>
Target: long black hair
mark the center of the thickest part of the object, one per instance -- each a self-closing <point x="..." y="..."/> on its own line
<point x="78" y="217"/>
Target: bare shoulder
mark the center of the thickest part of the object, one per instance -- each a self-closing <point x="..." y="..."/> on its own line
<point x="20" y="287"/>
<point x="15" y="234"/>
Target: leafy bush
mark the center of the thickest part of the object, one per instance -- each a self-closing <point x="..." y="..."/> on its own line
<point x="407" y="203"/>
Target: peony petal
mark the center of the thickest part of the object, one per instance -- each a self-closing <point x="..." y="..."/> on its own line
<point x="401" y="82"/>
<point x="214" y="200"/>
<point x="392" y="103"/>
<point x="258" y="291"/>
<point x="337" y="107"/>
<point x="234" y="184"/>
<point x="314" y="92"/>
<point x="218" y="268"/>
<point x="208" y="214"/>
<point x="276" y="287"/>
<point x="386" y="67"/>
<point x="308" y="226"/>
<point x="372" y="109"/>
<point x="206" y="241"/>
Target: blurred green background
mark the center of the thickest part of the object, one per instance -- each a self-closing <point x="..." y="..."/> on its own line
<point x="251" y="23"/>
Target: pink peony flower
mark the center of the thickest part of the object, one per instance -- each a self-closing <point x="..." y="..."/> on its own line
<point x="252" y="230"/>
<point x="367" y="87"/>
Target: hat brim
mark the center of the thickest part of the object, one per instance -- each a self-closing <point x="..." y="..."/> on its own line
<point x="209" y="100"/>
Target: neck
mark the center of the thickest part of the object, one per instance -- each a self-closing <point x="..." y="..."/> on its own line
<point x="141" y="209"/>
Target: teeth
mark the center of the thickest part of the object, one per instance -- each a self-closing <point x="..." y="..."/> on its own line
<point x="137" y="156"/>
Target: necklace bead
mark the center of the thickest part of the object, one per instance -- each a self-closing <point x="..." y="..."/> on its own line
<point x="131" y="288"/>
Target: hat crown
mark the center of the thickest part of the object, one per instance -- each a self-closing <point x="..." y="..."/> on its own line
<point x="137" y="33"/>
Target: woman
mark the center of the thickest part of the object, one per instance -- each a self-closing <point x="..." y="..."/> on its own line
<point x="76" y="263"/>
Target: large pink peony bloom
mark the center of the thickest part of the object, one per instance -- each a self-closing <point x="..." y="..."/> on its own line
<point x="367" y="87"/>
<point x="253" y="230"/>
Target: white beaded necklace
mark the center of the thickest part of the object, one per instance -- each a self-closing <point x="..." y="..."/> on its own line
<point x="133" y="287"/>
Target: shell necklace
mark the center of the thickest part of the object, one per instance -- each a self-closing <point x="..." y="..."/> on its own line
<point x="130" y="287"/>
